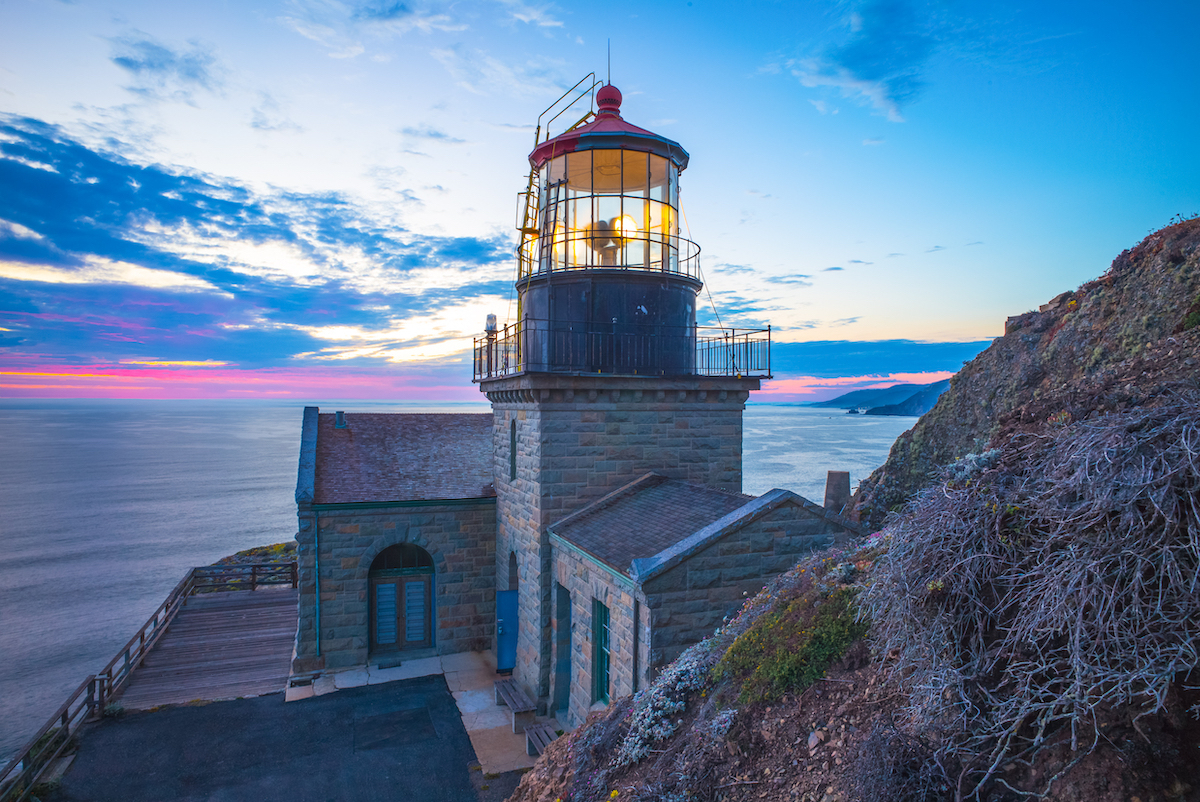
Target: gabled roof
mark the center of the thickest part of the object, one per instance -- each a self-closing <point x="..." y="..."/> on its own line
<point x="652" y="524"/>
<point x="649" y="567"/>
<point x="644" y="518"/>
<point x="384" y="457"/>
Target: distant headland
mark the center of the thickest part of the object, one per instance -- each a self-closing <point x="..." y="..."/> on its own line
<point x="899" y="399"/>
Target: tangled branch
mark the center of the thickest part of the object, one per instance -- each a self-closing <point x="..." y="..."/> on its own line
<point x="1057" y="578"/>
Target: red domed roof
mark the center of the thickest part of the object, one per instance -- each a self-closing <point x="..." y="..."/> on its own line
<point x="608" y="131"/>
<point x="609" y="99"/>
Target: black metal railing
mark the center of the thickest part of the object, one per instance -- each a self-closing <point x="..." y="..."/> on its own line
<point x="652" y="252"/>
<point x="636" y="349"/>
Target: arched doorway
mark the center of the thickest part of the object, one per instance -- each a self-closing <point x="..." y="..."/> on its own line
<point x="401" y="579"/>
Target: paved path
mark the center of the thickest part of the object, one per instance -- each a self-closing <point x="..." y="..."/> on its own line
<point x="219" y="646"/>
<point x="470" y="677"/>
<point x="403" y="740"/>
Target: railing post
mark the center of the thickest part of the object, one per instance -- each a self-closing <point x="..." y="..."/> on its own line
<point x="768" y="349"/>
<point x="254" y="577"/>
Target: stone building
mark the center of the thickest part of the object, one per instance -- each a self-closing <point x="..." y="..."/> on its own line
<point x="592" y="526"/>
<point x="396" y="538"/>
<point x="653" y="567"/>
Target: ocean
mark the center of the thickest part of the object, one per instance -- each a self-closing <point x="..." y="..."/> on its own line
<point x="105" y="505"/>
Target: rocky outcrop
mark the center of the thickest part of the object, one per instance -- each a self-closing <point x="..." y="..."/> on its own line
<point x="1121" y="340"/>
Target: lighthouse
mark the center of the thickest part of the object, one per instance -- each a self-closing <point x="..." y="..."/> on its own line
<point x="603" y="376"/>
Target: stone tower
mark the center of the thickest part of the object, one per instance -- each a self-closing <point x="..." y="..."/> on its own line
<point x="604" y="376"/>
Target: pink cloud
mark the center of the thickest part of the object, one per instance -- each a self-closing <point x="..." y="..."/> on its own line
<point x="124" y="381"/>
<point x="805" y="389"/>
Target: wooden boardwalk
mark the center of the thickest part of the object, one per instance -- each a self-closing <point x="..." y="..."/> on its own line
<point x="219" y="646"/>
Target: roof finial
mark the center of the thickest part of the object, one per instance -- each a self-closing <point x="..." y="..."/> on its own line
<point x="608" y="100"/>
<point x="609" y="81"/>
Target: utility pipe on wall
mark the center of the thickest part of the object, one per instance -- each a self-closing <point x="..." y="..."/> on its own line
<point x="317" y="572"/>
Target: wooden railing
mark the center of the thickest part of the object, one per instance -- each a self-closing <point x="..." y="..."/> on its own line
<point x="90" y="699"/>
<point x="246" y="576"/>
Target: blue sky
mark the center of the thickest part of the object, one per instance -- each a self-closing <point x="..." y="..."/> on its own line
<point x="286" y="198"/>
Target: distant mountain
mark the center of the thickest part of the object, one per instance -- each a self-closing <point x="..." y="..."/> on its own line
<point x="917" y="404"/>
<point x="865" y="399"/>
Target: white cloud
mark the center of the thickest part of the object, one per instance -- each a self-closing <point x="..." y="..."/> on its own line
<point x="105" y="271"/>
<point x="813" y="74"/>
<point x="483" y="74"/>
<point x="17" y="231"/>
<point x="341" y="27"/>
<point x="532" y="15"/>
<point x="448" y="331"/>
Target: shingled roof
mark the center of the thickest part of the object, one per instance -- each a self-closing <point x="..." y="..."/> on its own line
<point x="382" y="457"/>
<point x="644" y="518"/>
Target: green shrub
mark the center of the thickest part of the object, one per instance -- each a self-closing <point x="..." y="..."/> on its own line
<point x="790" y="649"/>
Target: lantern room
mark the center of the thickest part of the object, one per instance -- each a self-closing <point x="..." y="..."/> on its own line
<point x="605" y="283"/>
<point x="608" y="197"/>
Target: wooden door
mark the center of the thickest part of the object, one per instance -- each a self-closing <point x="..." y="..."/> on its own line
<point x="401" y="612"/>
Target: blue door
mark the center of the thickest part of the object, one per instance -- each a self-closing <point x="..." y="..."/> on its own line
<point x="506" y="630"/>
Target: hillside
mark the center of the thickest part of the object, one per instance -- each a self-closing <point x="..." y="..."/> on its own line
<point x="1118" y="341"/>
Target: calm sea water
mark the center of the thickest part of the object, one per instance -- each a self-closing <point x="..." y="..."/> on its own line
<point x="104" y="505"/>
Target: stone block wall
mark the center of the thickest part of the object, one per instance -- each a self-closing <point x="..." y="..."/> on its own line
<point x="458" y="534"/>
<point x="690" y="600"/>
<point x="520" y="531"/>
<point x="578" y="439"/>
<point x="586" y="580"/>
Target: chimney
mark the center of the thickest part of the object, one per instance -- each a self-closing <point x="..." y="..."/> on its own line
<point x="340" y="423"/>
<point x="837" y="491"/>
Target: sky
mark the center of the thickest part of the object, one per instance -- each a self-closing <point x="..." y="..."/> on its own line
<point x="299" y="199"/>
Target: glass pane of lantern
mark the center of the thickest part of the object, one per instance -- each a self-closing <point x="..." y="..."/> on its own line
<point x="658" y="178"/>
<point x="608" y="213"/>
<point x="633" y="179"/>
<point x="579" y="170"/>
<point x="579" y="220"/>
<point x="606" y="171"/>
<point x="673" y="181"/>
<point x="635" y="252"/>
<point x="556" y="170"/>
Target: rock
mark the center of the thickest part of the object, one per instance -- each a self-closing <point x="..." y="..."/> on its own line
<point x="814" y="740"/>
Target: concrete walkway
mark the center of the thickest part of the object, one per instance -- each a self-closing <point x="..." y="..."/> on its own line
<point x="470" y="677"/>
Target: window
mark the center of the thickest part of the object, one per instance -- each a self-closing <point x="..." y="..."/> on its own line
<point x="512" y="450"/>
<point x="599" y="652"/>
